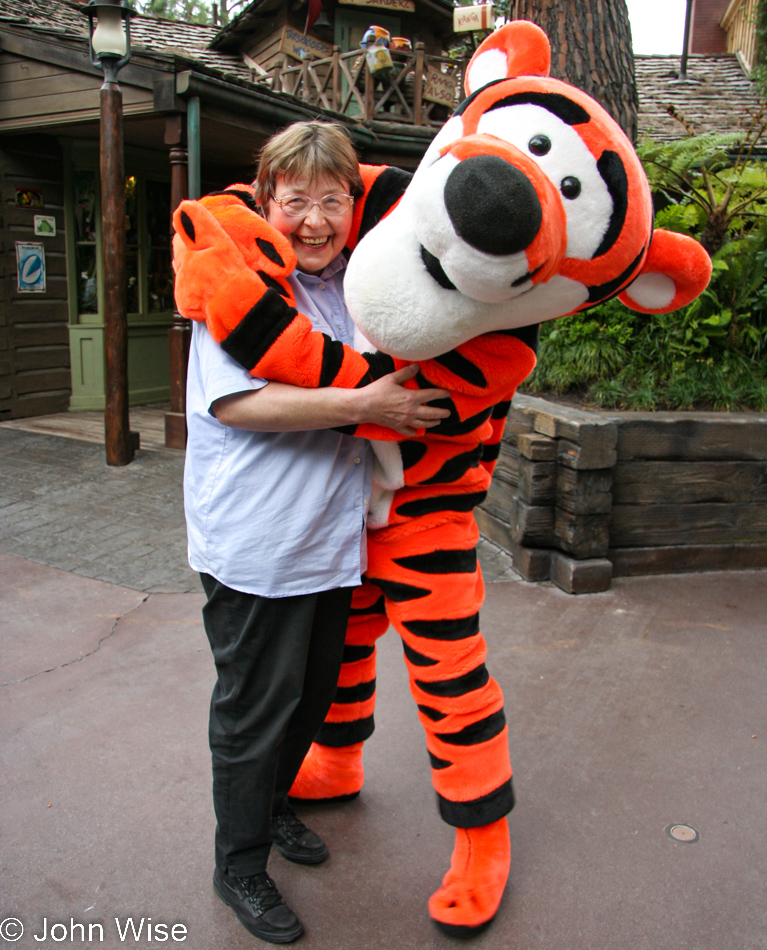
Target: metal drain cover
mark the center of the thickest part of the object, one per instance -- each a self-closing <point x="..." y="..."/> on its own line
<point x="684" y="833"/>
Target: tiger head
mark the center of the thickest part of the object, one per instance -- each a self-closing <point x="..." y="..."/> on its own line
<point x="529" y="204"/>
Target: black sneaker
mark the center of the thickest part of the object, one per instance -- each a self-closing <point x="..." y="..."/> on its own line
<point x="259" y="906"/>
<point x="294" y="841"/>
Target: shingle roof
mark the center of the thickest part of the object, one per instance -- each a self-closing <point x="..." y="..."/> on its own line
<point x="717" y="95"/>
<point x="149" y="34"/>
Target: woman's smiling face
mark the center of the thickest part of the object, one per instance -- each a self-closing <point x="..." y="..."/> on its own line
<point x="316" y="237"/>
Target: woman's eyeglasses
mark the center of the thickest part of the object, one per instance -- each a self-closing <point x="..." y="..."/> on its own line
<point x="298" y="206"/>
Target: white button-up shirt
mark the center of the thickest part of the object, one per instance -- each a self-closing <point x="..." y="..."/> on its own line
<point x="274" y="513"/>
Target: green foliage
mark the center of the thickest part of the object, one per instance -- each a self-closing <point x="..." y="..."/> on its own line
<point x="718" y="190"/>
<point x="188" y="11"/>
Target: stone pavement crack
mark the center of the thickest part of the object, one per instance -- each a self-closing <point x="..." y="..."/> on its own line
<point x="84" y="656"/>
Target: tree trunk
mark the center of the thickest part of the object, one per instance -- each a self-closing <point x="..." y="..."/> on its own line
<point x="590" y="48"/>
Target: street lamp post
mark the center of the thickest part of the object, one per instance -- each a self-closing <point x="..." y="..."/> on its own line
<point x="109" y="38"/>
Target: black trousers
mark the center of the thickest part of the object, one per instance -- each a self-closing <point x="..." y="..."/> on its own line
<point x="277" y="661"/>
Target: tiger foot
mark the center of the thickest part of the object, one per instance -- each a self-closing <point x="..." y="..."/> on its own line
<point x="472" y="889"/>
<point x="328" y="774"/>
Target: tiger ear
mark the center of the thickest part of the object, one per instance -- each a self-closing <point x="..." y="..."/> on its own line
<point x="519" y="48"/>
<point x="677" y="269"/>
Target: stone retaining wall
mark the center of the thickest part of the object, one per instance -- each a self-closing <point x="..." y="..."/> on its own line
<point x="579" y="497"/>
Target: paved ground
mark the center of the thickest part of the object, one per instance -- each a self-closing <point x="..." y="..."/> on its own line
<point x="61" y="505"/>
<point x="629" y="711"/>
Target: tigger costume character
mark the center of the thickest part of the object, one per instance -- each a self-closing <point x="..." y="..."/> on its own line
<point x="530" y="204"/>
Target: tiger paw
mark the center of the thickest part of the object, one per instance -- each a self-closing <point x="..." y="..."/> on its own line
<point x="226" y="259"/>
<point x="472" y="889"/>
<point x="328" y="774"/>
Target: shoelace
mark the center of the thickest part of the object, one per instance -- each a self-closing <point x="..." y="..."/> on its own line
<point x="290" y="824"/>
<point x="261" y="892"/>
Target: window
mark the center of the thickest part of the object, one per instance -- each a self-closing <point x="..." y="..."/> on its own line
<point x="149" y="273"/>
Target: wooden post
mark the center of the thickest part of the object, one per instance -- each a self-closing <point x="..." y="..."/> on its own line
<point x="369" y="83"/>
<point x="418" y="88"/>
<point x="180" y="334"/>
<point x="336" y="79"/>
<point x="119" y="445"/>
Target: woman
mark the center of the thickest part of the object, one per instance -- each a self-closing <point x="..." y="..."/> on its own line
<point x="276" y="502"/>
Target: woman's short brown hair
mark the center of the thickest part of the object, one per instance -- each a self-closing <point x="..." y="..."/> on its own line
<point x="316" y="149"/>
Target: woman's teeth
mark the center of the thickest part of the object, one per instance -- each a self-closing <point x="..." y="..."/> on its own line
<point x="314" y="242"/>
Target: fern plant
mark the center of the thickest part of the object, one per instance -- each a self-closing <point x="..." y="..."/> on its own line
<point x="714" y="173"/>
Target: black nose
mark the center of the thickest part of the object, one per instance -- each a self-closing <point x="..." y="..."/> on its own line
<point x="493" y="205"/>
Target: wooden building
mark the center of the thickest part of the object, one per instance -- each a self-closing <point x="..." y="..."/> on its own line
<point x="198" y="103"/>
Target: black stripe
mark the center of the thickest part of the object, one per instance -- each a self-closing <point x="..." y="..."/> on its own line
<point x="602" y="292"/>
<point x="490" y="453"/>
<point x="459" y="629"/>
<point x="501" y="409"/>
<point x="462" y="368"/>
<point x="346" y="430"/>
<point x="258" y="330"/>
<point x="435" y="270"/>
<point x="477" y="732"/>
<point x="379" y="607"/>
<point x="529" y="335"/>
<point x="386" y="189"/>
<point x="431" y="713"/>
<point x="381" y="364"/>
<point x="245" y="196"/>
<point x="274" y="283"/>
<point x="474" y="679"/>
<point x="400" y="592"/>
<point x="561" y="106"/>
<point x="427" y="506"/>
<point x="340" y="734"/>
<point x="456" y="467"/>
<point x="460" y="561"/>
<point x="463" y="106"/>
<point x="355" y="694"/>
<point x="416" y="658"/>
<point x="353" y="654"/>
<point x="452" y="425"/>
<point x="270" y="251"/>
<point x="188" y="225"/>
<point x="412" y="453"/>
<point x="613" y="173"/>
<point x="332" y="360"/>
<point x="480" y="811"/>
<point x="437" y="763"/>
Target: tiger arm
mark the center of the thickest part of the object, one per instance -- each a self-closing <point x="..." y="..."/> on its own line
<point x="250" y="312"/>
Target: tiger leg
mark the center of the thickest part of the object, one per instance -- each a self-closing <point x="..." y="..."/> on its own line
<point x="434" y="589"/>
<point x="332" y="769"/>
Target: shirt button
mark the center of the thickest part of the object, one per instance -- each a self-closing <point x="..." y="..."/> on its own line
<point x="357" y="461"/>
<point x="322" y="286"/>
<point x="364" y="501"/>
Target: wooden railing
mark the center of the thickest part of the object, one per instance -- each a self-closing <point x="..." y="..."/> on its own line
<point x="739" y="21"/>
<point x="420" y="90"/>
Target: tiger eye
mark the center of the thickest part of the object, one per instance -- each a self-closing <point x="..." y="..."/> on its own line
<point x="570" y="187"/>
<point x="540" y="145"/>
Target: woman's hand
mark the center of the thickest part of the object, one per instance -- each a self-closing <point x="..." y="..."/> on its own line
<point x="387" y="402"/>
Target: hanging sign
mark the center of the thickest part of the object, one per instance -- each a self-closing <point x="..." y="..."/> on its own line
<point x="45" y="225"/>
<point x="297" y="45"/>
<point x="28" y="198"/>
<point x="30" y="268"/>
<point x="478" y="17"/>
<point x="398" y="6"/>
<point x="439" y="87"/>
